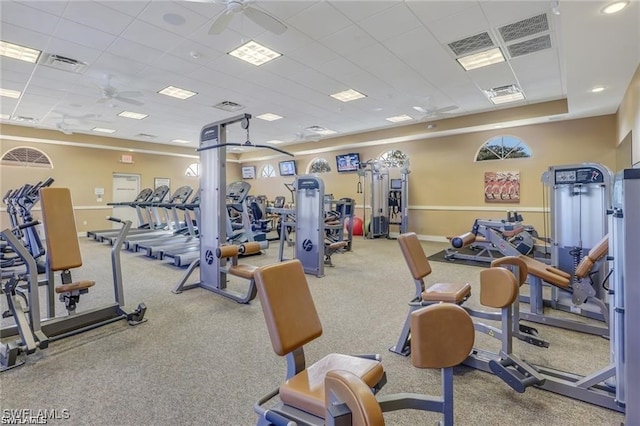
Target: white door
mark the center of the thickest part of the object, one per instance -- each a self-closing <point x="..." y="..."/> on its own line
<point x="126" y="187"/>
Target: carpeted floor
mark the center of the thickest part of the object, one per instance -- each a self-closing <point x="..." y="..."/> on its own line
<point x="203" y="359"/>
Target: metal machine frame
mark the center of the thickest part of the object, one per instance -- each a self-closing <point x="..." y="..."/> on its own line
<point x="377" y="172"/>
<point x="213" y="201"/>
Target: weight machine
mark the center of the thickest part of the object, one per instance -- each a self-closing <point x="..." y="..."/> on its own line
<point x="213" y="203"/>
<point x="579" y="199"/>
<point x="388" y="198"/>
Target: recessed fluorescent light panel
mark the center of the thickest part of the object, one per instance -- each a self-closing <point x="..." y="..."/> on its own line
<point x="505" y="94"/>
<point x="275" y="141"/>
<point x="399" y="118"/>
<point x="348" y="95"/>
<point x="16" y="51"/>
<point x="102" y="130"/>
<point x="180" y="141"/>
<point x="176" y="92"/>
<point x="614" y="7"/>
<point x="5" y="116"/>
<point x="597" y="89"/>
<point x="8" y="93"/>
<point x="134" y="115"/>
<point x="255" y="53"/>
<point x="481" y="59"/>
<point x="269" y="116"/>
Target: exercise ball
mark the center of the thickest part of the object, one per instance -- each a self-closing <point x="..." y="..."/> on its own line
<point x="357" y="226"/>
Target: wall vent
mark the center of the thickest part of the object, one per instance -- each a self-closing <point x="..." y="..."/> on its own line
<point x="471" y="44"/>
<point x="63" y="63"/>
<point x="529" y="46"/>
<point x="229" y="106"/>
<point x="525" y="28"/>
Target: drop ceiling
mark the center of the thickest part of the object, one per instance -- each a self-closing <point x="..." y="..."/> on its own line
<point x="400" y="54"/>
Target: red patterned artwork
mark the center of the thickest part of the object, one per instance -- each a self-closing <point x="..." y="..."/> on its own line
<point x="502" y="187"/>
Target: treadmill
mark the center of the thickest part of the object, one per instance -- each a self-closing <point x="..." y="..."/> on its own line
<point x="140" y="198"/>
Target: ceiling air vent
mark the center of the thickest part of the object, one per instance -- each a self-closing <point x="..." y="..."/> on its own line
<point x="471" y="44"/>
<point x="525" y="28"/>
<point x="63" y="63"/>
<point x="229" y="106"/>
<point x="529" y="46"/>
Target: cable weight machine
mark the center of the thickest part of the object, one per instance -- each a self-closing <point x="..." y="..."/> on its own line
<point x="388" y="197"/>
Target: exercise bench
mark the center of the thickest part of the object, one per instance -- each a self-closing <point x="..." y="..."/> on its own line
<point x="443" y="338"/>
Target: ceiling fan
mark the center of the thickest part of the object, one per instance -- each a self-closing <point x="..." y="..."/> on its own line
<point x="110" y="93"/>
<point x="233" y="7"/>
<point x="65" y="127"/>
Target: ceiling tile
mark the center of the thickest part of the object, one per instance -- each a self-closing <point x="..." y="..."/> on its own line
<point x="359" y="10"/>
<point x="430" y="11"/>
<point x="113" y="64"/>
<point x="131" y="8"/>
<point x="294" y="40"/>
<point x="155" y="13"/>
<point x="81" y="34"/>
<point x="53" y="7"/>
<point x="173" y="64"/>
<point x="28" y="17"/>
<point x="504" y="13"/>
<point x="348" y="40"/>
<point x="132" y="50"/>
<point x="96" y="16"/>
<point x="390" y="22"/>
<point x="313" y="55"/>
<point x="495" y="75"/>
<point x="465" y="23"/>
<point x="23" y="36"/>
<point x="195" y="52"/>
<point x="151" y="36"/>
<point x="307" y="21"/>
<point x="72" y="50"/>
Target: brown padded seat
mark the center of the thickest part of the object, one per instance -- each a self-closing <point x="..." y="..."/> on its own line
<point x="419" y="266"/>
<point x="80" y="285"/>
<point x="442" y="336"/>
<point x="447" y="292"/>
<point x="242" y="271"/>
<point x="306" y="390"/>
<point x="352" y="391"/>
<point x="597" y="252"/>
<point x="498" y="288"/>
<point x="547" y="273"/>
<point x="292" y="321"/>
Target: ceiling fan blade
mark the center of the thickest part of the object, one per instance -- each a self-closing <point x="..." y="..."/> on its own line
<point x="221" y="23"/>
<point x="265" y="20"/>
<point x="130" y="94"/>
<point x="129" y="101"/>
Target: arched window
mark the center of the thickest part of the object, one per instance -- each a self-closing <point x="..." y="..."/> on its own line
<point x="193" y="170"/>
<point x="394" y="158"/>
<point x="319" y="165"/>
<point x="268" y="171"/>
<point x="503" y="147"/>
<point x="23" y="156"/>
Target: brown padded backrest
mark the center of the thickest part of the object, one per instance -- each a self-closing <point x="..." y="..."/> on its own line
<point x="442" y="335"/>
<point x="498" y="287"/>
<point x="414" y="255"/>
<point x="287" y="305"/>
<point x="597" y="252"/>
<point x="354" y="392"/>
<point x="63" y="249"/>
<point x="523" y="271"/>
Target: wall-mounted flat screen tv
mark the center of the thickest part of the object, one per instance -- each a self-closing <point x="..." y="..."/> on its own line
<point x="348" y="162"/>
<point x="287" y="168"/>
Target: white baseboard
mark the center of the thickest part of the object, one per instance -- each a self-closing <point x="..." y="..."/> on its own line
<point x="434" y="238"/>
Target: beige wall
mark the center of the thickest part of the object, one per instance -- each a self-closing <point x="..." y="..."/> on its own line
<point x="628" y="117"/>
<point x="84" y="169"/>
<point x="446" y="185"/>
